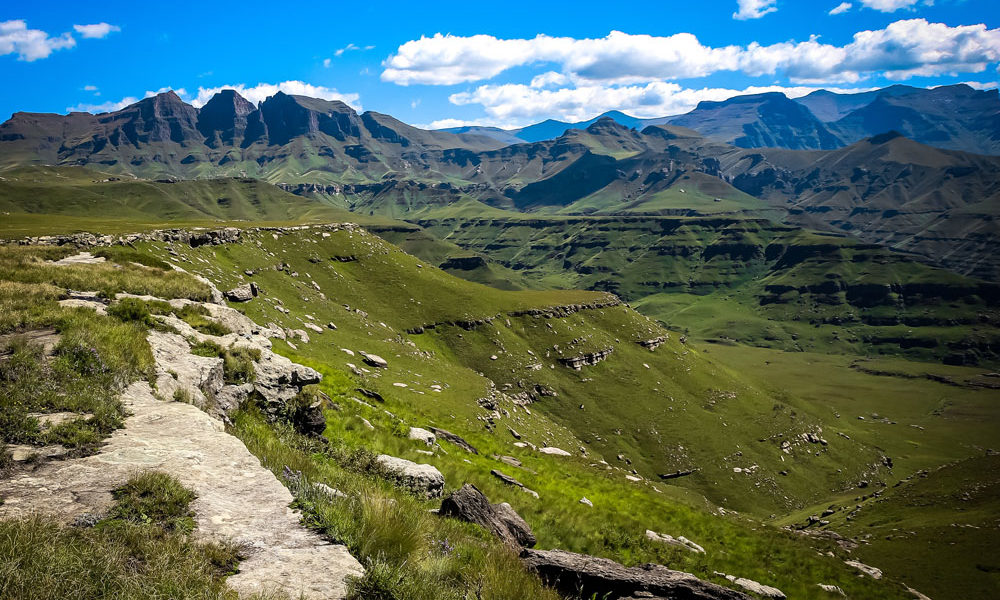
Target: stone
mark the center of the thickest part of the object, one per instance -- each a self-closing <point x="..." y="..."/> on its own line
<point x="314" y="327"/>
<point x="454" y="439"/>
<point x="553" y="451"/>
<point x="328" y="491"/>
<point x="374" y="360"/>
<point x="417" y="433"/>
<point x="866" y="569"/>
<point x="309" y="419"/>
<point x="422" y="480"/>
<point x="586" y="501"/>
<point x="580" y="575"/>
<point x="471" y="505"/>
<point x="833" y="589"/>
<point x="240" y="293"/>
<point x="680" y="541"/>
<point x="753" y="587"/>
<point x="238" y="500"/>
<point x="506" y="478"/>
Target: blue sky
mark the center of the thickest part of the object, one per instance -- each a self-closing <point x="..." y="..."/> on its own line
<point x="507" y="64"/>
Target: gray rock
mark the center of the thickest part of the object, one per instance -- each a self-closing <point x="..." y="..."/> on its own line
<point x="454" y="439"/>
<point x="506" y="478"/>
<point x="833" y="589"/>
<point x="240" y="293"/>
<point x="581" y="575"/>
<point x="753" y="587"/>
<point x="422" y="480"/>
<point x="867" y="570"/>
<point x="469" y="504"/>
<point x="422" y="435"/>
<point x="374" y="360"/>
<point x="679" y="541"/>
<point x="586" y="501"/>
<point x="554" y="451"/>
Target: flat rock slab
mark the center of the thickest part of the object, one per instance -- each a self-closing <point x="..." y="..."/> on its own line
<point x="238" y="499"/>
<point x="83" y="258"/>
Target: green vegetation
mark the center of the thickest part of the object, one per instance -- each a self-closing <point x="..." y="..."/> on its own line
<point x="141" y="550"/>
<point x="55" y="359"/>
<point x="408" y="553"/>
<point x="237" y="361"/>
<point x="154" y="498"/>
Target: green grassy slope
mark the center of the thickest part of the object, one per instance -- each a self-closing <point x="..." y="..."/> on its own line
<point x="751" y="280"/>
<point x="684" y="410"/>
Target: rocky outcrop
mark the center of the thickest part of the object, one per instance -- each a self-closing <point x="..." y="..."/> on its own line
<point x="193" y="237"/>
<point x="242" y="293"/>
<point x="866" y="569"/>
<point x="764" y="591"/>
<point x="679" y="541"/>
<point x="654" y="343"/>
<point x="586" y="576"/>
<point x="586" y="360"/>
<point x="422" y="435"/>
<point x="422" y="480"/>
<point x="454" y="439"/>
<point x="469" y="504"/>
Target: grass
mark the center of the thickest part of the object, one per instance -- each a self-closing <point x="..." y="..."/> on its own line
<point x="141" y="550"/>
<point x="93" y="356"/>
<point x="407" y="552"/>
<point x="237" y="361"/>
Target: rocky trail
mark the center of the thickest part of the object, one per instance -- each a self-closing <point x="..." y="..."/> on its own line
<point x="238" y="499"/>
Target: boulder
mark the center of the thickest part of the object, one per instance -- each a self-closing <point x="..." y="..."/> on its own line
<point x="240" y="293"/>
<point x="454" y="439"/>
<point x="581" y="575"/>
<point x="279" y="379"/>
<point x="469" y="504"/>
<point x="679" y="541"/>
<point x="308" y="419"/>
<point x="422" y="480"/>
<point x="867" y="570"/>
<point x="374" y="360"/>
<point x="506" y="478"/>
<point x="419" y="434"/>
<point x="833" y="589"/>
<point x="764" y="591"/>
<point x="554" y="451"/>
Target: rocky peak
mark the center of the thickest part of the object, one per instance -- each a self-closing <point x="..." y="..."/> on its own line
<point x="223" y="119"/>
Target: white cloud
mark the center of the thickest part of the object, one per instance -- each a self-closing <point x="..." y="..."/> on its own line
<point x="262" y="91"/>
<point x="841" y="8"/>
<point x="96" y="31"/>
<point x="30" y="44"/>
<point x="754" y="9"/>
<point x="902" y="50"/>
<point x="513" y="105"/>
<point x="326" y="63"/>
<point x="983" y="85"/>
<point x="888" y="6"/>
<point x="90" y="88"/>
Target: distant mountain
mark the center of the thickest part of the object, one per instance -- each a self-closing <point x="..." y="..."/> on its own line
<point x="884" y="189"/>
<point x="954" y="117"/>
<point x="285" y="138"/>
<point x="760" y="120"/>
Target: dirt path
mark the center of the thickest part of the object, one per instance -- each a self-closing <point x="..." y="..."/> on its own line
<point x="237" y="497"/>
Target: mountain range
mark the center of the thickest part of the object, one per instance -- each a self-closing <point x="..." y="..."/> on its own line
<point x="954" y="117"/>
<point x="886" y="188"/>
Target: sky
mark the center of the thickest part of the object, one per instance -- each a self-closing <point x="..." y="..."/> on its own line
<point x="508" y="64"/>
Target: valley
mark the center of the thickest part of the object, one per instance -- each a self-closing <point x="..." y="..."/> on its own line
<point x="755" y="344"/>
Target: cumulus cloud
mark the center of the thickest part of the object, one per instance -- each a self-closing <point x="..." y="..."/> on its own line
<point x="96" y="30"/>
<point x="512" y="105"/>
<point x="30" y="44"/>
<point x="841" y="8"/>
<point x="254" y="94"/>
<point x="902" y="50"/>
<point x="754" y="9"/>
<point x="889" y="6"/>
